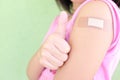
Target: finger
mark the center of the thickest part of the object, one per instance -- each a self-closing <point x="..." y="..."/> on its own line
<point x="61" y="29"/>
<point x="48" y="65"/>
<point x="61" y="45"/>
<point x="57" y="53"/>
<point x="51" y="59"/>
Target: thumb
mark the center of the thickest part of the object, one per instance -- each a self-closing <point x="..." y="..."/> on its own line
<point x="61" y="28"/>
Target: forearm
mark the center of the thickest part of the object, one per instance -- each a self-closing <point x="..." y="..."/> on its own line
<point x="34" y="68"/>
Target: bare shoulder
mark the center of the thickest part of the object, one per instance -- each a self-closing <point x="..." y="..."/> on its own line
<point x="96" y="8"/>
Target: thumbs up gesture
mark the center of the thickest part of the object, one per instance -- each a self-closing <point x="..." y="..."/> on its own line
<point x="53" y="52"/>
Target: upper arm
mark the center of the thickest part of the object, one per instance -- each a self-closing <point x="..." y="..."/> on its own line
<point x="88" y="44"/>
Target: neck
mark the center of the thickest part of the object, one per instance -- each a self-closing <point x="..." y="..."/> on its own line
<point x="75" y="6"/>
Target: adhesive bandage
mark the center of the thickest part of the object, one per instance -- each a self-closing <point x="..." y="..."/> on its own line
<point x="95" y="22"/>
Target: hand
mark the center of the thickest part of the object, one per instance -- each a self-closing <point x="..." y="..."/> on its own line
<point x="53" y="52"/>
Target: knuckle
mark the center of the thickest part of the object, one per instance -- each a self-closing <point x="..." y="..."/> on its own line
<point x="65" y="57"/>
<point x="61" y="63"/>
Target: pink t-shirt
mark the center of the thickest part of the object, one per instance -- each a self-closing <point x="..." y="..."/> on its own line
<point x="112" y="56"/>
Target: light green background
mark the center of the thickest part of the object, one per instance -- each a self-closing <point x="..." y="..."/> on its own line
<point x="23" y="24"/>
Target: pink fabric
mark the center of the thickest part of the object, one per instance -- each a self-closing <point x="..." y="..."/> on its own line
<point x="112" y="57"/>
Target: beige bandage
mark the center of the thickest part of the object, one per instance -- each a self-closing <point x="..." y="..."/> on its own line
<point x="92" y="22"/>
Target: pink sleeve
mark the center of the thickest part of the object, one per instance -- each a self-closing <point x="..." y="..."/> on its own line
<point x="46" y="75"/>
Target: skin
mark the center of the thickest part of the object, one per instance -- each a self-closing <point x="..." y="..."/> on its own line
<point x="89" y="49"/>
<point x="53" y="52"/>
<point x="78" y="61"/>
<point x="76" y="3"/>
